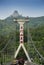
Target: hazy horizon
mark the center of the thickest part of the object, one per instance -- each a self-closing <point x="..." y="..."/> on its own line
<point x="31" y="8"/>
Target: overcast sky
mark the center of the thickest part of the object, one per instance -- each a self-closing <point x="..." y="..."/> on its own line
<point x="31" y="8"/>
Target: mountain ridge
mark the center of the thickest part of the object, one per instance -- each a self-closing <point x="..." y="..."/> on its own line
<point x="33" y="22"/>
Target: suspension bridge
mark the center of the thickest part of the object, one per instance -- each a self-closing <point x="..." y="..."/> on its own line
<point x="7" y="55"/>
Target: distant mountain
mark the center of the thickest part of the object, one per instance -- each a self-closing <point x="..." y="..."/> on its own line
<point x="9" y="21"/>
<point x="15" y="14"/>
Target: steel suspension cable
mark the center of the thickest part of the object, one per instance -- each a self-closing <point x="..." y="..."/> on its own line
<point x="6" y="45"/>
<point x="35" y="46"/>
